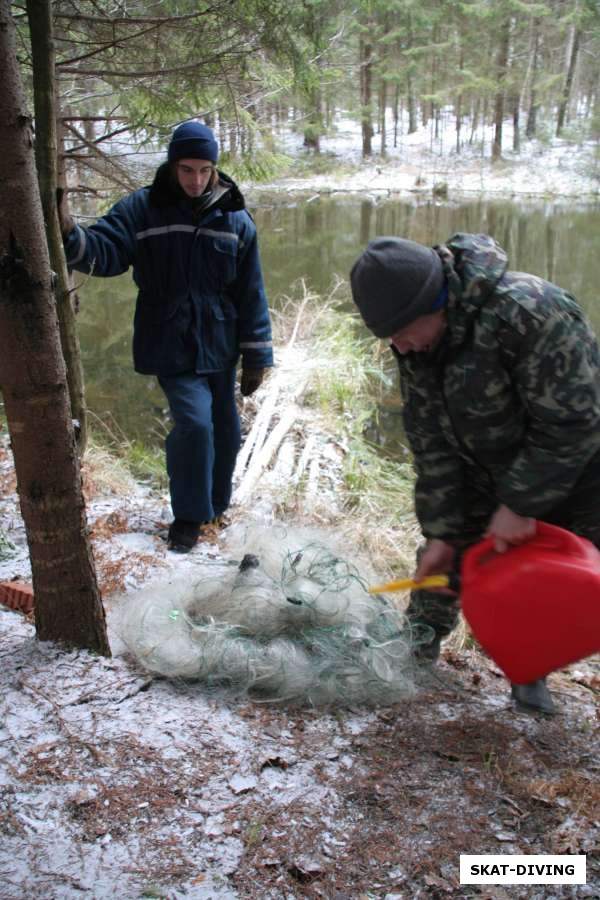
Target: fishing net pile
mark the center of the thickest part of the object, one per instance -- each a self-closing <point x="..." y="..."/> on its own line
<point x="290" y="621"/>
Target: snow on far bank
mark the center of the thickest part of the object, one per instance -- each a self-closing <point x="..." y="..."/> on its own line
<point x="418" y="164"/>
<point x="421" y="163"/>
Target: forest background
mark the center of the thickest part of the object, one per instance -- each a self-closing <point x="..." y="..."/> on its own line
<point x="250" y="69"/>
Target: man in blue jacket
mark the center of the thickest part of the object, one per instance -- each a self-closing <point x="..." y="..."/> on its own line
<point x="201" y="305"/>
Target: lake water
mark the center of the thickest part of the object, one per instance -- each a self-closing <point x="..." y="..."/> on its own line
<point x="318" y="238"/>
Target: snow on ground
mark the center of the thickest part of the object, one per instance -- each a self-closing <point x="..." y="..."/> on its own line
<point x="117" y="783"/>
<point x="420" y="164"/>
<point x="114" y="783"/>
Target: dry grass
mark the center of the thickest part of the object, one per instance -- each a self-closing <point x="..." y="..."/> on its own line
<point x="365" y="495"/>
<point x="104" y="472"/>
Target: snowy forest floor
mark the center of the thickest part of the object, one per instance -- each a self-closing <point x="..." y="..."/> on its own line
<point x="559" y="170"/>
<point x="118" y="783"/>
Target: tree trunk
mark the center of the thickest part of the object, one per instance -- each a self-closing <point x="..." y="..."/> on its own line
<point x="46" y="147"/>
<point x="474" y="120"/>
<point x="531" y="128"/>
<point x="595" y="125"/>
<point x="413" y="118"/>
<point x="516" y="104"/>
<point x="411" y="99"/>
<point x="311" y="141"/>
<point x="222" y="133"/>
<point x="566" y="93"/>
<point x="485" y="110"/>
<point x="233" y="141"/>
<point x="32" y="374"/>
<point x="458" y="109"/>
<point x="252" y="110"/>
<point x="314" y="126"/>
<point x="434" y="108"/>
<point x="382" y="108"/>
<point x="501" y="70"/>
<point x="366" y="72"/>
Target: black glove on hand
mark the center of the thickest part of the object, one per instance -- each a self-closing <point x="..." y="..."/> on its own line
<point x="64" y="219"/>
<point x="251" y="380"/>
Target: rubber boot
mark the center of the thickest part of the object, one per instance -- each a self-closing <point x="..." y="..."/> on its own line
<point x="533" y="697"/>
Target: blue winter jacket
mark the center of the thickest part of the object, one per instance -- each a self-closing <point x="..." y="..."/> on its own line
<point x="201" y="300"/>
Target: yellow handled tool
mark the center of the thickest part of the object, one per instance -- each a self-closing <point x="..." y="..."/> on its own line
<point x="405" y="584"/>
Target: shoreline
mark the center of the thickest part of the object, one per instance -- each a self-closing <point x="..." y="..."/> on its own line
<point x="419" y="195"/>
<point x="555" y="172"/>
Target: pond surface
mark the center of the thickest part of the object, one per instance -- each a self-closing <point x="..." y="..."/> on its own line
<point x="317" y="239"/>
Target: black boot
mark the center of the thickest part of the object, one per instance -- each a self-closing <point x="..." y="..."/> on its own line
<point x="183" y="536"/>
<point x="534" y="696"/>
<point x="428" y="654"/>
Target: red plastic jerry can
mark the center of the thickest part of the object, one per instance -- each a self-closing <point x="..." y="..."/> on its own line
<point x="535" y="608"/>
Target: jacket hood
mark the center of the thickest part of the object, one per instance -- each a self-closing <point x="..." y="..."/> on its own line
<point x="478" y="261"/>
<point x="163" y="192"/>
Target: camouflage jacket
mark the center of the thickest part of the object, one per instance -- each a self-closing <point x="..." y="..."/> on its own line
<point x="507" y="407"/>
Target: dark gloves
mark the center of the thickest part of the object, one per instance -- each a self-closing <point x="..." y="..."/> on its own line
<point x="64" y="219"/>
<point x="251" y="380"/>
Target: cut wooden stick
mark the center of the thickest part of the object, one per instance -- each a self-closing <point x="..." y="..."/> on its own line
<point x="262" y="458"/>
<point x="260" y="426"/>
<point x="305" y="457"/>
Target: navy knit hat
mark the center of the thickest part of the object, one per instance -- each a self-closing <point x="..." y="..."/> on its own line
<point x="394" y="282"/>
<point x="191" y="140"/>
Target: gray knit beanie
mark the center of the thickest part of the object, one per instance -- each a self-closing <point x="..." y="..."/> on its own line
<point x="394" y="282"/>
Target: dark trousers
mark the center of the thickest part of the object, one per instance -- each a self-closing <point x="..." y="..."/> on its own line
<point x="203" y="444"/>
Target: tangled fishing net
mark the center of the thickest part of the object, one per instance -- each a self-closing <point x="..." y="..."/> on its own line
<point x="291" y="621"/>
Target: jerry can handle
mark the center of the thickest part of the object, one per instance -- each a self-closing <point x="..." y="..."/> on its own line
<point x="549" y="537"/>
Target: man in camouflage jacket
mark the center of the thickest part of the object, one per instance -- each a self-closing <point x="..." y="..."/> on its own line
<point x="500" y="376"/>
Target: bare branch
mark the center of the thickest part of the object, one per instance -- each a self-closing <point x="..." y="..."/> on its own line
<point x="189" y="67"/>
<point x="94" y="119"/>
<point x="86" y="161"/>
<point x="128" y="20"/>
<point x="107" y="46"/>
<point x="124" y="176"/>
